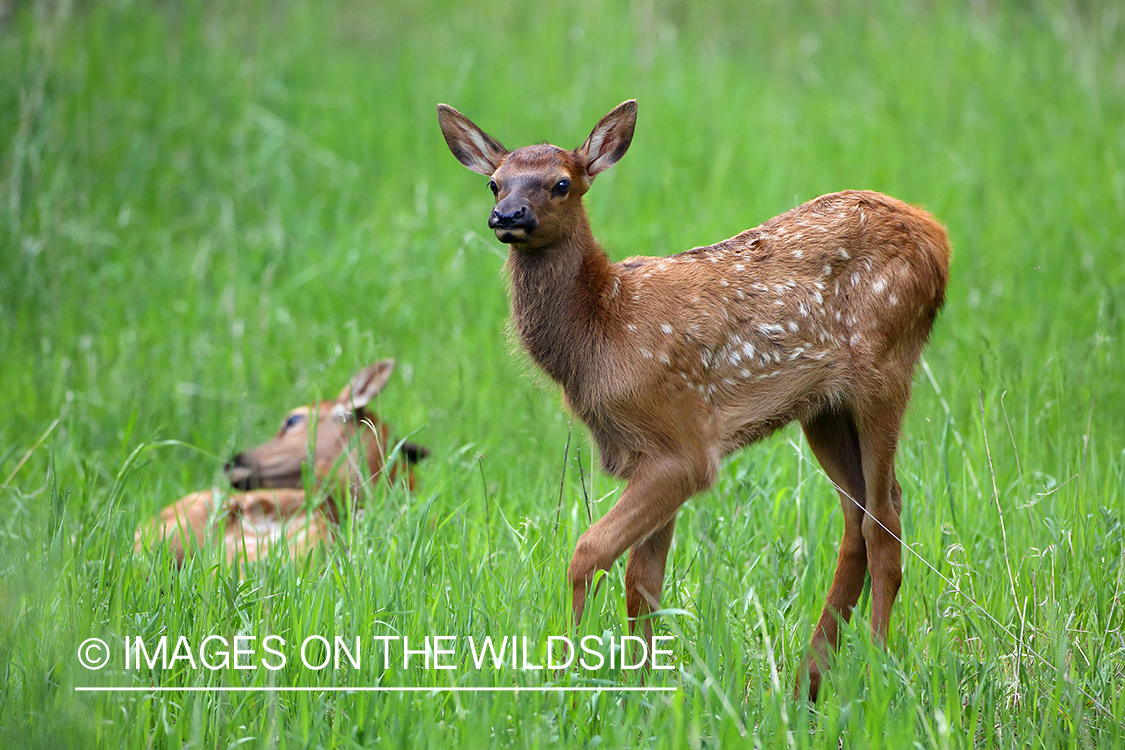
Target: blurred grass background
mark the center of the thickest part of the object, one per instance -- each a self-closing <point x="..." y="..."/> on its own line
<point x="215" y="211"/>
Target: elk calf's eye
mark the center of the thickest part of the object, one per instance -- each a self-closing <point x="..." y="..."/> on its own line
<point x="561" y="187"/>
<point x="293" y="421"/>
<point x="494" y="187"/>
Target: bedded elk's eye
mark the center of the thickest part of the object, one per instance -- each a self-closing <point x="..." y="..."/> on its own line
<point x="561" y="188"/>
<point x="494" y="187"/>
<point x="293" y="421"/>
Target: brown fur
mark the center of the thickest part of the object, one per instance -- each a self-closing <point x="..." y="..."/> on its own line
<point x="252" y="523"/>
<point x="816" y="316"/>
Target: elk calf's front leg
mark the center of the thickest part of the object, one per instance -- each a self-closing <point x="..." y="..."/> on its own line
<point x="646" y="509"/>
<point x="644" y="577"/>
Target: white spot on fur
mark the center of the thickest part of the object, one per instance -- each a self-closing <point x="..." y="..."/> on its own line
<point x="798" y="253"/>
<point x="793" y="326"/>
<point x="879" y="285"/>
<point x="646" y="353"/>
<point x="843" y="253"/>
<point x="666" y="328"/>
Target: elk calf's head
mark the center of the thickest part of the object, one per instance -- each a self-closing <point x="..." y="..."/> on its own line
<point x="539" y="188"/>
<point x="336" y="434"/>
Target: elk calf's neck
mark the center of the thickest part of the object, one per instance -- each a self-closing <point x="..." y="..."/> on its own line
<point x="817" y="316"/>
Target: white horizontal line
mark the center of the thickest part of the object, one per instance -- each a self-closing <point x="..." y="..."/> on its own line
<point x="365" y="689"/>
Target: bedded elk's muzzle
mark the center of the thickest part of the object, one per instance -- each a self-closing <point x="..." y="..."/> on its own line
<point x="249" y="470"/>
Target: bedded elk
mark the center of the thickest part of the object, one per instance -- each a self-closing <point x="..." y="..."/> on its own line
<point x="817" y="316"/>
<point x="342" y="436"/>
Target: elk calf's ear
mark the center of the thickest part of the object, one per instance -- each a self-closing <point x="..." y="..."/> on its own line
<point x="609" y="140"/>
<point x="413" y="453"/>
<point x="365" y="385"/>
<point x="473" y="147"/>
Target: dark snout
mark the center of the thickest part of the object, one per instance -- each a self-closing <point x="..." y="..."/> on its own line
<point x="242" y="475"/>
<point x="512" y="220"/>
<point x="264" y="468"/>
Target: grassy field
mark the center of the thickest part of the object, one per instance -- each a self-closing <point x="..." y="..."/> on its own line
<point x="214" y="211"/>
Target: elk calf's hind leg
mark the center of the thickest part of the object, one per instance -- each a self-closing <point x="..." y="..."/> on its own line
<point x="832" y="437"/>
<point x="882" y="529"/>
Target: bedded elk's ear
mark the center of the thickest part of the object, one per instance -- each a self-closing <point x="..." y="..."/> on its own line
<point x="473" y="147"/>
<point x="609" y="140"/>
<point x="364" y="386"/>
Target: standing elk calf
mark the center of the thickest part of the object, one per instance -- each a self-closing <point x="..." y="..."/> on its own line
<point x="344" y="435"/>
<point x="818" y="316"/>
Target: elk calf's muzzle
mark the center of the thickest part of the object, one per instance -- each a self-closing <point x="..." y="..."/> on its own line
<point x="512" y="220"/>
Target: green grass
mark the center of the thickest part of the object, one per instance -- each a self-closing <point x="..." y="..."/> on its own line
<point x="212" y="213"/>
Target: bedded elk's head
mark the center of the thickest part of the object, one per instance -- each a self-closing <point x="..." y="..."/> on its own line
<point x="335" y="430"/>
<point x="538" y="188"/>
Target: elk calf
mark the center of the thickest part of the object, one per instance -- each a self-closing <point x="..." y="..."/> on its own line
<point x="347" y="436"/>
<point x="817" y="316"/>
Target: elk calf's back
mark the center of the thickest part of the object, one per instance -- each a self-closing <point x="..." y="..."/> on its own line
<point x="817" y="316"/>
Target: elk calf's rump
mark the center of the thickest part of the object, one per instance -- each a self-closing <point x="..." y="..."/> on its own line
<point x="816" y="316"/>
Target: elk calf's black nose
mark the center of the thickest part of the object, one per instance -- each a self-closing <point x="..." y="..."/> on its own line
<point x="507" y="217"/>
